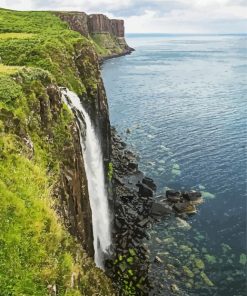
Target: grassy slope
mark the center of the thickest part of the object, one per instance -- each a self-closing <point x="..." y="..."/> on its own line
<point x="40" y="39"/>
<point x="106" y="44"/>
<point x="35" y="249"/>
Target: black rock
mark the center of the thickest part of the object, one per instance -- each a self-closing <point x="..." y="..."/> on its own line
<point x="119" y="180"/>
<point x="144" y="190"/>
<point x="132" y="166"/>
<point x="173" y="196"/>
<point x="172" y="193"/>
<point x="144" y="222"/>
<point x="150" y="183"/>
<point x="192" y="195"/>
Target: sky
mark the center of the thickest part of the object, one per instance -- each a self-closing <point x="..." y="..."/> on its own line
<point x="155" y="16"/>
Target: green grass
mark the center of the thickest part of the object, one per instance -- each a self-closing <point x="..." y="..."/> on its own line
<point x="106" y="44"/>
<point x="4" y="36"/>
<point x="8" y="69"/>
<point x="42" y="40"/>
<point x="38" y="50"/>
<point x="35" y="249"/>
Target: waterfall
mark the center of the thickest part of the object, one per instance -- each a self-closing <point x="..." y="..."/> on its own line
<point x="94" y="167"/>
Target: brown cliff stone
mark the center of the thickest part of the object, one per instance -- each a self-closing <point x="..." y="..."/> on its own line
<point x="77" y="21"/>
<point x="111" y="30"/>
<point x="118" y="28"/>
<point x="99" y="23"/>
<point x="73" y="194"/>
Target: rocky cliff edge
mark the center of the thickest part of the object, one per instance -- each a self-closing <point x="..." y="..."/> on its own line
<point x="107" y="34"/>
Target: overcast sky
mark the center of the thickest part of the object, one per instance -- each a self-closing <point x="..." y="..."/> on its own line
<point x="160" y="16"/>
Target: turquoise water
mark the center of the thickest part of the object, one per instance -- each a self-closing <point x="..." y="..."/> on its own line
<point x="184" y="98"/>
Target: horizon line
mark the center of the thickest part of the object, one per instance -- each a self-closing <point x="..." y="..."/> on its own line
<point x="184" y="33"/>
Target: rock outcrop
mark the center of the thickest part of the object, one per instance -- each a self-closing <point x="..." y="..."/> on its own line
<point x="99" y="23"/>
<point x="108" y="34"/>
<point x="77" y="21"/>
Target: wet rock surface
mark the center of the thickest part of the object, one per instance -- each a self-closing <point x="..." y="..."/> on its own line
<point x="133" y="202"/>
<point x="183" y="202"/>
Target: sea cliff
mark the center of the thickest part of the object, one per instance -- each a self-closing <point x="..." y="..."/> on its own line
<point x="46" y="220"/>
<point x="107" y="34"/>
<point x="45" y="211"/>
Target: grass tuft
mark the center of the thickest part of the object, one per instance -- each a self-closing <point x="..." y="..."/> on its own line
<point x="4" y="36"/>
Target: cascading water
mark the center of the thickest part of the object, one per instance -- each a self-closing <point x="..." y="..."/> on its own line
<point x="94" y="167"/>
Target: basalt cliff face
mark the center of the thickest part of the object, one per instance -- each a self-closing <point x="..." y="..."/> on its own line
<point x="108" y="34"/>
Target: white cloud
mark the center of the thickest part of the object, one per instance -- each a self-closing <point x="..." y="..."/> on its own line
<point x="17" y="4"/>
<point x="155" y="15"/>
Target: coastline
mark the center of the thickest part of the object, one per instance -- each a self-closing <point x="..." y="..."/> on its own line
<point x="117" y="55"/>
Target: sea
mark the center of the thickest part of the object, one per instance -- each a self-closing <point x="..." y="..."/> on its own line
<point x="183" y="101"/>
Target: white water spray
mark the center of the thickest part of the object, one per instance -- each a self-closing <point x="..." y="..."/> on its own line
<point x="94" y="167"/>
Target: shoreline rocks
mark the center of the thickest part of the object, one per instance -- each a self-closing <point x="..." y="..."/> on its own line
<point x="136" y="208"/>
<point x="183" y="202"/>
<point x="133" y="200"/>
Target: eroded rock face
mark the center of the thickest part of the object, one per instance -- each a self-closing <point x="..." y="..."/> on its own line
<point x="99" y="23"/>
<point x="73" y="194"/>
<point x="118" y="28"/>
<point x="71" y="190"/>
<point x="77" y="21"/>
<point x="94" y="24"/>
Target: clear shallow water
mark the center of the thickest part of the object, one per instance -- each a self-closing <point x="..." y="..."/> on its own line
<point x="185" y="100"/>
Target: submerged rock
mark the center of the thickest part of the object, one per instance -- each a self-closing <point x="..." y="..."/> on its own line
<point x="157" y="259"/>
<point x="206" y="280"/>
<point x="208" y="195"/>
<point x="181" y="223"/>
<point x="174" y="288"/>
<point x="243" y="259"/>
<point x="188" y="272"/>
<point x="199" y="264"/>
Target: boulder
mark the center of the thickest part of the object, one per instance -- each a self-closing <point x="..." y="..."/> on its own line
<point x="173" y="196"/>
<point x="150" y="183"/>
<point x="192" y="195"/>
<point x="158" y="260"/>
<point x="195" y="197"/>
<point x="144" y="190"/>
<point x="174" y="288"/>
<point x="133" y="166"/>
<point x="185" y="207"/>
<point x="159" y="209"/>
